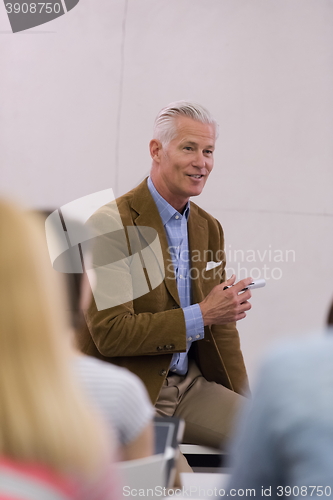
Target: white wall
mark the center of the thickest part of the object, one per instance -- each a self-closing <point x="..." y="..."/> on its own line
<point x="79" y="96"/>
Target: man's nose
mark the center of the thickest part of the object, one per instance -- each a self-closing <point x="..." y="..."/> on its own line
<point x="200" y="160"/>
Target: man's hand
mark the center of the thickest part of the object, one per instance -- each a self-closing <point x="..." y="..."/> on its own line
<point x="224" y="306"/>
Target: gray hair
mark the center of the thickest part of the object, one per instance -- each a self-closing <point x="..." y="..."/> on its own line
<point x="164" y="126"/>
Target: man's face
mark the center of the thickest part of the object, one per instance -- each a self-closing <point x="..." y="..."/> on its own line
<point x="183" y="166"/>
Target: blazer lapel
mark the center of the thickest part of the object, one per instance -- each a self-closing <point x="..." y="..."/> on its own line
<point x="149" y="216"/>
<point x="198" y="244"/>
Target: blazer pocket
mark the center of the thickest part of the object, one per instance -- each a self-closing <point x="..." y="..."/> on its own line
<point x="212" y="265"/>
<point x="212" y="275"/>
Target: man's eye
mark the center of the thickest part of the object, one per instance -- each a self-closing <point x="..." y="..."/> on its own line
<point x="188" y="148"/>
<point x="208" y="152"/>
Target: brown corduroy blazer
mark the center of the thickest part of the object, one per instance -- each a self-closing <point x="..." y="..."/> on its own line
<point x="142" y="334"/>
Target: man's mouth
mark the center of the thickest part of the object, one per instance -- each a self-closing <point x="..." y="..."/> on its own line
<point x="196" y="176"/>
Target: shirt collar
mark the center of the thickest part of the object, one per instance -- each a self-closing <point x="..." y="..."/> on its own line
<point x="166" y="211"/>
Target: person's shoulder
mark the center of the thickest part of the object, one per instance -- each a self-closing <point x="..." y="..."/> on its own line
<point x="124" y="204"/>
<point x="295" y="383"/>
<point x="111" y="216"/>
<point x="200" y="211"/>
<point x="93" y="364"/>
<point x="197" y="211"/>
<point x="309" y="346"/>
<point x="127" y="198"/>
<point x="304" y="362"/>
<point x="97" y="369"/>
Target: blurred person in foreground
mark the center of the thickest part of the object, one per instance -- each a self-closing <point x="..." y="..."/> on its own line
<point x="51" y="442"/>
<point x="117" y="393"/>
<point x="285" y="444"/>
<point x="179" y="335"/>
<point x="330" y="317"/>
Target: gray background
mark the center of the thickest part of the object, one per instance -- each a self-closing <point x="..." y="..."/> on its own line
<point x="78" y="100"/>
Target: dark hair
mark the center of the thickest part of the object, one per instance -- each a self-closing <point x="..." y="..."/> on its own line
<point x="330" y="316"/>
<point x="72" y="281"/>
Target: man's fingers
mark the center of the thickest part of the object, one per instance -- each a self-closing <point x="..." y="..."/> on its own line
<point x="244" y="296"/>
<point x="245" y="306"/>
<point x="241" y="316"/>
<point x="230" y="281"/>
<point x="224" y="306"/>
<point x="242" y="284"/>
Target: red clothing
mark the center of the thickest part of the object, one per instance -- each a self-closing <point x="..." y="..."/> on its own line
<point x="20" y="481"/>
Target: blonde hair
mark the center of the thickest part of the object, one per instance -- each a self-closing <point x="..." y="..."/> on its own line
<point x="43" y="415"/>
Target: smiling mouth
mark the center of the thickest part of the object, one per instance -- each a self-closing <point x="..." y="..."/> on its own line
<point x="195" y="176"/>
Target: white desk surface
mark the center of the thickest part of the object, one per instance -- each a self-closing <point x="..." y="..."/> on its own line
<point x="201" y="485"/>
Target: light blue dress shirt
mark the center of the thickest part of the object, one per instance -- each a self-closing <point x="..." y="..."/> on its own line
<point x="175" y="225"/>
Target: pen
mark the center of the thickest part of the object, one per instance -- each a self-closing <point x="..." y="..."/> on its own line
<point x="255" y="284"/>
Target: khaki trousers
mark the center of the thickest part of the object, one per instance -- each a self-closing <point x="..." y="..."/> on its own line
<point x="208" y="408"/>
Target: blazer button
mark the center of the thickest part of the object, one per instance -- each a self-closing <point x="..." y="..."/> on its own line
<point x="169" y="347"/>
<point x="159" y="348"/>
<point x="163" y="373"/>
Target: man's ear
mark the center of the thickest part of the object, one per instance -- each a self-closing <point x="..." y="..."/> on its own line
<point x="155" y="148"/>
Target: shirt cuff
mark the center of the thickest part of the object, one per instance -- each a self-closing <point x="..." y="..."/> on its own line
<point x="194" y="323"/>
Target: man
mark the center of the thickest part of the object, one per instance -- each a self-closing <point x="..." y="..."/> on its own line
<point x="180" y="338"/>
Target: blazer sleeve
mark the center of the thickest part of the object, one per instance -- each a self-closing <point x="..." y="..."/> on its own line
<point x="150" y="324"/>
